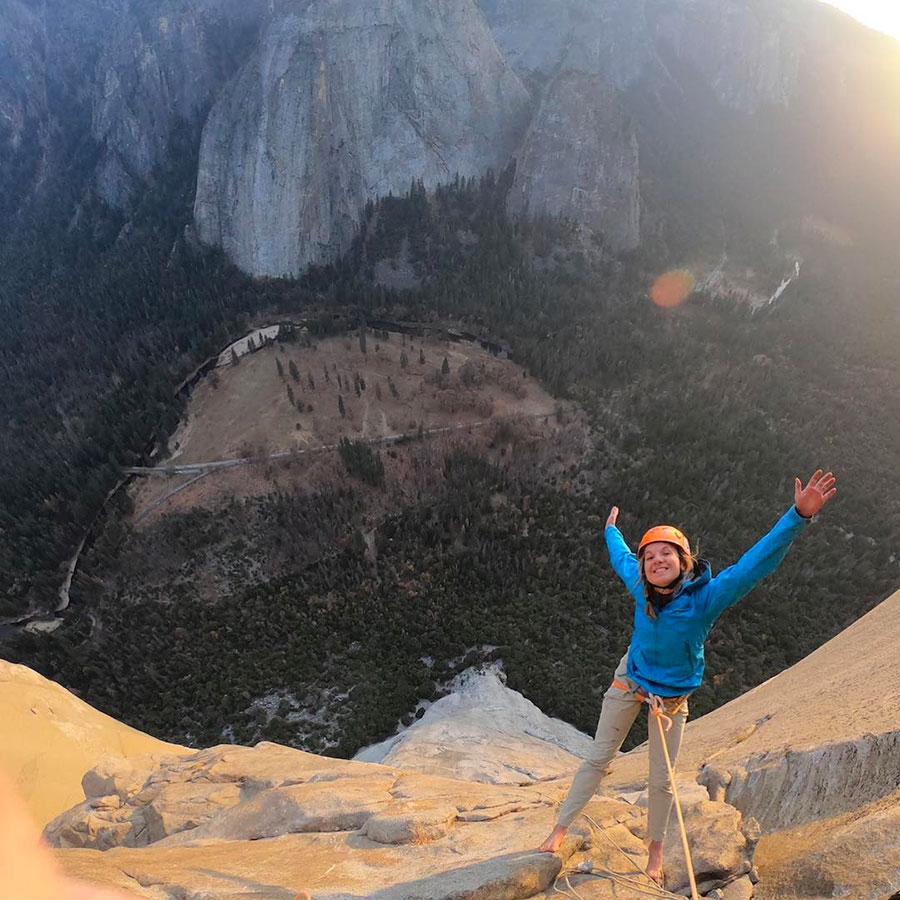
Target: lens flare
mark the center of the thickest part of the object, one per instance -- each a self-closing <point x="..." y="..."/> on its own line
<point x="671" y="288"/>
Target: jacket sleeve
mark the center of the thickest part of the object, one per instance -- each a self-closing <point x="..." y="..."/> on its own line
<point x="624" y="562"/>
<point x="762" y="559"/>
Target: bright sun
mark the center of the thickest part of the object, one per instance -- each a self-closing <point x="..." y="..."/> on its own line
<point x="884" y="15"/>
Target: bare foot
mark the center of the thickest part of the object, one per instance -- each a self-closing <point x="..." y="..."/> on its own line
<point x="551" y="845"/>
<point x="655" y="862"/>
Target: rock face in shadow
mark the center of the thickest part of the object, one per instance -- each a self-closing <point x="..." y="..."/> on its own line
<point x="580" y="161"/>
<point x="161" y="66"/>
<point x="344" y="102"/>
<point x="785" y="788"/>
<point x="747" y="54"/>
<point x="48" y="52"/>
<point x="609" y="39"/>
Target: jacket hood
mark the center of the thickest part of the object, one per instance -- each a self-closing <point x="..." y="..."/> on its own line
<point x="702" y="575"/>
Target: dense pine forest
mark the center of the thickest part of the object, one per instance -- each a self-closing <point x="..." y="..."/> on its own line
<point x="699" y="415"/>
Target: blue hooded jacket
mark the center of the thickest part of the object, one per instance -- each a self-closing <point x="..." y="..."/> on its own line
<point x="666" y="653"/>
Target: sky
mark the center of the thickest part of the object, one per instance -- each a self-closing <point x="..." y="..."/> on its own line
<point x="881" y="14"/>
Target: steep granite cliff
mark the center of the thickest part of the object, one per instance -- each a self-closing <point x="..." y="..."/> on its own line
<point x="162" y="64"/>
<point x="341" y="103"/>
<point x="47" y="52"/>
<point x="580" y="160"/>
<point x="758" y="112"/>
<point x="608" y="38"/>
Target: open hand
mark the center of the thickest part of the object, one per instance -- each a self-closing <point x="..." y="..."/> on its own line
<point x="613" y="515"/>
<point x="818" y="491"/>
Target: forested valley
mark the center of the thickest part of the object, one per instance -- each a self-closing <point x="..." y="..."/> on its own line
<point x="700" y="415"/>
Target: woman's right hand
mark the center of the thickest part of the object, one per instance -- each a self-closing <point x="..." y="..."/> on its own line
<point x="613" y="515"/>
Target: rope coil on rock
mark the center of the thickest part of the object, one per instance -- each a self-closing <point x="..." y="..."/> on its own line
<point x="652" y="889"/>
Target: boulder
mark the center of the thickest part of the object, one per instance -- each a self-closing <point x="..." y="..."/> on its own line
<point x="149" y="798"/>
<point x="418" y="822"/>
<point x="121" y="777"/>
<point x="181" y="807"/>
<point x="719" y="848"/>
<point x="739" y="889"/>
<point x="341" y="805"/>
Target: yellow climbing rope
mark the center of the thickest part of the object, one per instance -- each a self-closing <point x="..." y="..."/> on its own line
<point x="658" y="712"/>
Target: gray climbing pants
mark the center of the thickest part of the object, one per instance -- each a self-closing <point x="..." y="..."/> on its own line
<point x="620" y="709"/>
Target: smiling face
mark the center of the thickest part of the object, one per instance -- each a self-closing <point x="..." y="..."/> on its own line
<point x="661" y="563"/>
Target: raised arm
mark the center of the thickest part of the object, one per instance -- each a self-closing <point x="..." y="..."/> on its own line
<point x="624" y="562"/>
<point x="764" y="557"/>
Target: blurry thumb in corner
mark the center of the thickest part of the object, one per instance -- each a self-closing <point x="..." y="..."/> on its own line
<point x="28" y="870"/>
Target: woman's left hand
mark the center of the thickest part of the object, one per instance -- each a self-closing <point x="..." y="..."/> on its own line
<point x="818" y="491"/>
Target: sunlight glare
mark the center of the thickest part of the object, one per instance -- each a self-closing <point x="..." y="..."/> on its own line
<point x="882" y="15"/>
<point x="671" y="288"/>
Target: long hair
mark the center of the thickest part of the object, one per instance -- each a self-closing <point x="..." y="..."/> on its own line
<point x="651" y="593"/>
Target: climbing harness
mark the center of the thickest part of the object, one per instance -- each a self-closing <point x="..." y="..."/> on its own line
<point x="672" y="705"/>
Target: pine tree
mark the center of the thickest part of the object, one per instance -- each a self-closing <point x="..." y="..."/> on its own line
<point x="235" y="359"/>
<point x="295" y="372"/>
<point x="404" y="359"/>
<point x="341" y="409"/>
<point x="280" y="367"/>
<point x="421" y="357"/>
<point x="445" y="367"/>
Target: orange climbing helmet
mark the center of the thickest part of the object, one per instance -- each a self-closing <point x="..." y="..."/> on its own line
<point x="668" y="533"/>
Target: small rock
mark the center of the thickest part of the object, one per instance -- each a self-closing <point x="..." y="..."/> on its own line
<point x="741" y="889"/>
<point x="410" y="823"/>
<point x="716" y="781"/>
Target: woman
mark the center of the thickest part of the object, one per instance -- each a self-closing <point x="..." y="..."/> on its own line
<point x="676" y="602"/>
